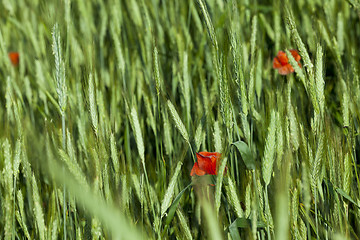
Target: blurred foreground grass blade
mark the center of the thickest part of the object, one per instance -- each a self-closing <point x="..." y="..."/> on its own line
<point x="75" y="170"/>
<point x="211" y="221"/>
<point x="282" y="225"/>
<point x="113" y="220"/>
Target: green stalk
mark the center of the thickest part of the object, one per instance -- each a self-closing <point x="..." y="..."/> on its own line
<point x="13" y="225"/>
<point x="64" y="190"/>
<point x="267" y="202"/>
<point x="316" y="217"/>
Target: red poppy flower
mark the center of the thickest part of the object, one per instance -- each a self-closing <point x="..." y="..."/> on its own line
<point x="281" y="62"/>
<point x="207" y="163"/>
<point x="14" y="58"/>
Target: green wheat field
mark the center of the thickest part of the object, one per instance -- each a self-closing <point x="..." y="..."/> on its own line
<point x="111" y="99"/>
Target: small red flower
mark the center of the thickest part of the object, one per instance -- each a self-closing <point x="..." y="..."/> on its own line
<point x="281" y="62"/>
<point x="14" y="58"/>
<point x="207" y="163"/>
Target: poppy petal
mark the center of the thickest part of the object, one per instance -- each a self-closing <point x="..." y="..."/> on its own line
<point x="296" y="55"/>
<point x="206" y="164"/>
<point x="14" y="58"/>
<point x="276" y="63"/>
<point x="281" y="62"/>
<point x="290" y="68"/>
<point x="284" y="70"/>
<point x="196" y="170"/>
<point x="209" y="154"/>
<point x="283" y="59"/>
<point x="214" y="164"/>
<point x="213" y="158"/>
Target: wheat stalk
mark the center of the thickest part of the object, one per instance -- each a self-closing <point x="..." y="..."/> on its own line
<point x="178" y="123"/>
<point x="170" y="190"/>
<point x="38" y="212"/>
<point x="269" y="153"/>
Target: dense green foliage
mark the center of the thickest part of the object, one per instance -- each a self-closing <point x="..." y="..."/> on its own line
<point x="101" y="119"/>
